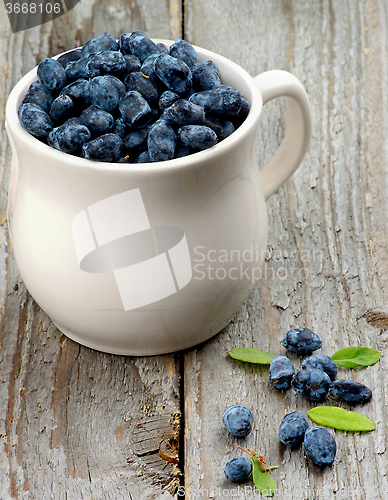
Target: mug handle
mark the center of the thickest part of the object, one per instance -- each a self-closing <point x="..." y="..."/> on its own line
<point x="289" y="156"/>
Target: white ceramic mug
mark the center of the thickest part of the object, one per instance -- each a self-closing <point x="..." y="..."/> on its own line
<point x="144" y="259"/>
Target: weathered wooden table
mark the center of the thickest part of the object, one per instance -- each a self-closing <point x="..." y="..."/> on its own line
<point x="79" y="424"/>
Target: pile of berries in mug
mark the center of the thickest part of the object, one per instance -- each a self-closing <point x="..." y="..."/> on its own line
<point x="131" y="101"/>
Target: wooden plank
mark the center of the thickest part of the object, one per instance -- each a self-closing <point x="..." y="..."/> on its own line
<point x="327" y="264"/>
<point x="69" y="416"/>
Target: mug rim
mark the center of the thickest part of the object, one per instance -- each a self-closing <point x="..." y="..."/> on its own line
<point x="216" y="151"/>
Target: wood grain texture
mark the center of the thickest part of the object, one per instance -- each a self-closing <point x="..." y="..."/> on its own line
<point x="326" y="265"/>
<point x="78" y="424"/>
<point x="70" y="417"/>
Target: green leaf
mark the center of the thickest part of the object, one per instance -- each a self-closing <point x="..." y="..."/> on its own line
<point x="263" y="481"/>
<point x="341" y="419"/>
<point x="350" y="357"/>
<point x="251" y="355"/>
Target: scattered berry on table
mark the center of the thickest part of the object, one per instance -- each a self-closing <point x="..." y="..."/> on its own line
<point x="350" y="391"/>
<point x="311" y="384"/>
<point x="238" y="420"/>
<point x="302" y="341"/>
<point x="238" y="469"/>
<point x="293" y="428"/>
<point x="319" y="446"/>
<point x="281" y="371"/>
<point x="321" y="362"/>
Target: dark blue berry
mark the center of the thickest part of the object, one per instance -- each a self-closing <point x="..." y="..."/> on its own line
<point x="143" y="157"/>
<point x="161" y="141"/>
<point x="92" y="77"/>
<point x="181" y="49"/>
<point x="181" y="151"/>
<point x="197" y="136"/>
<point x="227" y="129"/>
<point x="51" y="75"/>
<point x="302" y="341"/>
<point x="238" y="469"/>
<point x="120" y="128"/>
<point x="292" y="429"/>
<point x="238" y="420"/>
<point x="103" y="93"/>
<point x="137" y="81"/>
<point x="97" y="120"/>
<point x="103" y="41"/>
<point x="162" y="48"/>
<point x="244" y="110"/>
<point x="116" y="82"/>
<point x="79" y="93"/>
<point x="62" y="108"/>
<point x="141" y="46"/>
<point x="281" y="371"/>
<point x="214" y="124"/>
<point x="174" y="74"/>
<point x="350" y="391"/>
<point x="166" y="99"/>
<point x="183" y="112"/>
<point x="107" y="62"/>
<point x="78" y="69"/>
<point x="36" y="121"/>
<point x="321" y="362"/>
<point x="221" y="102"/>
<point x="38" y="95"/>
<point x="311" y="384"/>
<point x="134" y="109"/>
<point x="136" y="142"/>
<point x="133" y="63"/>
<point x="69" y="137"/>
<point x="106" y="147"/>
<point x="205" y="76"/>
<point x="148" y="68"/>
<point x="125" y="39"/>
<point x="72" y="55"/>
<point x="319" y="446"/>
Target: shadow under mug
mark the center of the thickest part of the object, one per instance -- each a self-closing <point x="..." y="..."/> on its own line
<point x="142" y="259"/>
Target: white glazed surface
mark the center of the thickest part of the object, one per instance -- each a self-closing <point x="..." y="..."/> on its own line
<point x="213" y="196"/>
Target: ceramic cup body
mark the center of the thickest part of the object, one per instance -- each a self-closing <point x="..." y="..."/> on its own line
<point x="139" y="259"/>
